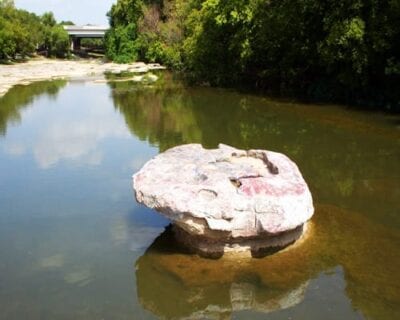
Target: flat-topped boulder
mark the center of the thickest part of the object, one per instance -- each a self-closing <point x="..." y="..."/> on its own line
<point x="226" y="197"/>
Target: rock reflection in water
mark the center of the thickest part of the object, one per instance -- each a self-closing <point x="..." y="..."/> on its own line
<point x="174" y="284"/>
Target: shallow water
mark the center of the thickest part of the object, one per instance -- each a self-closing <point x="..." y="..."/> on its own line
<point x="74" y="244"/>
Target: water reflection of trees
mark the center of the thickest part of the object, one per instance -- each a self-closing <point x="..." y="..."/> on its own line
<point x="344" y="157"/>
<point x="174" y="284"/>
<point x="160" y="113"/>
<point x="20" y="97"/>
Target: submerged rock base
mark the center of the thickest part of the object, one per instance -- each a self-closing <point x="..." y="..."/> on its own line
<point x="256" y="247"/>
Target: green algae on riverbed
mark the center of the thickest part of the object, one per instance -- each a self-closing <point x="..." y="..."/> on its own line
<point x="75" y="245"/>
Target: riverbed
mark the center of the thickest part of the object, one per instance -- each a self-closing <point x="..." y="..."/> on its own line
<point x="74" y="244"/>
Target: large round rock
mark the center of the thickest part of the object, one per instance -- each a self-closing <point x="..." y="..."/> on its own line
<point x="225" y="193"/>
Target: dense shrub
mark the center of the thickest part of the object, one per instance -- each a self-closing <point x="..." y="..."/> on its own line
<point x="345" y="50"/>
<point x="22" y="33"/>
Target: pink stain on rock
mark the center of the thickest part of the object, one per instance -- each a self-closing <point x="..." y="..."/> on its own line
<point x="263" y="186"/>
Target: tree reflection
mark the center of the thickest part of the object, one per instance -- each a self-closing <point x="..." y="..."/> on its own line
<point x="20" y="97"/>
<point x="161" y="114"/>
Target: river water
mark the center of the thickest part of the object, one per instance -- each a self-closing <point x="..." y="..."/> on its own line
<point x="74" y="244"/>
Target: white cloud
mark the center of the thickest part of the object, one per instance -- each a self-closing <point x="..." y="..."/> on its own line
<point x="76" y="140"/>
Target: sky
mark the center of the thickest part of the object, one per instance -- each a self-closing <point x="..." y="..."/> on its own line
<point x="78" y="11"/>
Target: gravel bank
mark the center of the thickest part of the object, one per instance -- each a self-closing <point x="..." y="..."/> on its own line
<point x="46" y="69"/>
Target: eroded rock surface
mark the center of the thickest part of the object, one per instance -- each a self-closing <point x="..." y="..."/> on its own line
<point x="225" y="194"/>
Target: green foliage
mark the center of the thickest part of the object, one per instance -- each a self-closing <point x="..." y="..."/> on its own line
<point x="346" y="50"/>
<point x="18" y="31"/>
<point x="217" y="45"/>
<point x="67" y="23"/>
<point x="342" y="51"/>
<point x="22" y="33"/>
<point x="7" y="39"/>
<point x="121" y="40"/>
<point x="55" y="41"/>
<point x="159" y="52"/>
<point x="59" y="41"/>
<point x="148" y="30"/>
<point x="48" y="19"/>
<point x="121" y="44"/>
<point x="125" y="12"/>
<point x="95" y="43"/>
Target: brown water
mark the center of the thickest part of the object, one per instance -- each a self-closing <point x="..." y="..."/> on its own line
<point x="74" y="244"/>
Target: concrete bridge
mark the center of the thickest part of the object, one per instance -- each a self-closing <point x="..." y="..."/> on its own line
<point x="76" y="33"/>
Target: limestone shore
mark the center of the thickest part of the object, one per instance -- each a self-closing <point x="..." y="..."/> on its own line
<point x="40" y="69"/>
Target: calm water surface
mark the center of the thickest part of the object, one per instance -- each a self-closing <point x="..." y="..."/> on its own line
<point x="74" y="244"/>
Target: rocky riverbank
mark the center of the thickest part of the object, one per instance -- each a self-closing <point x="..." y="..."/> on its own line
<point x="41" y="69"/>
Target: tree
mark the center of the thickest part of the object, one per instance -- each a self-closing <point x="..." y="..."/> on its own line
<point x="7" y="5"/>
<point x="67" y="23"/>
<point x="22" y="33"/>
<point x="59" y="42"/>
<point x="19" y="31"/>
<point x="48" y="19"/>
<point x="125" y="12"/>
<point x="343" y="51"/>
<point x="7" y="39"/>
<point x="120" y="40"/>
<point x="55" y="38"/>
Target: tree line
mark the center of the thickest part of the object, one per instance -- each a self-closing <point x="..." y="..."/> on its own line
<point x="342" y="51"/>
<point x="23" y="33"/>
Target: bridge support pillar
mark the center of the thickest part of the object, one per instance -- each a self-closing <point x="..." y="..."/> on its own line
<point x="75" y="44"/>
